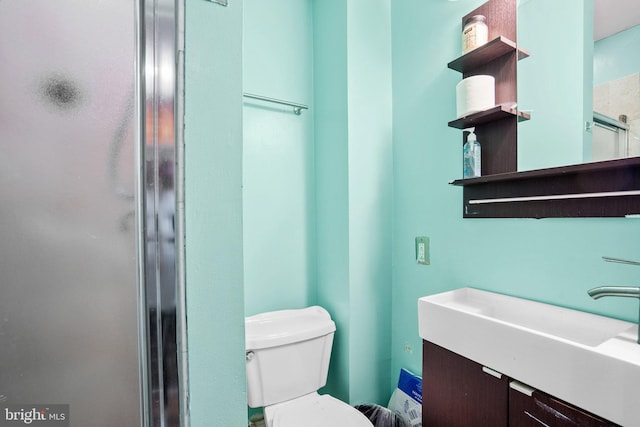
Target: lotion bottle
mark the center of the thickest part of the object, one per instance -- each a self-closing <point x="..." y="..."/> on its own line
<point x="471" y="155"/>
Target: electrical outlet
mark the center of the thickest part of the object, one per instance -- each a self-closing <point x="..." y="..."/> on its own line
<point x="422" y="250"/>
<point x="407" y="348"/>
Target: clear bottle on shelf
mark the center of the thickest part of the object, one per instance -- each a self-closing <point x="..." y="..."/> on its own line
<point x="471" y="157"/>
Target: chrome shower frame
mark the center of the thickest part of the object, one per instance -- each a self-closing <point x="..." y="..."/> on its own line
<point x="160" y="223"/>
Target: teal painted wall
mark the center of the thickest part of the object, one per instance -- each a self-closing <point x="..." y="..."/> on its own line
<point x="555" y="82"/>
<point x="357" y="190"/>
<point x="330" y="112"/>
<point x="370" y="183"/>
<point x="317" y="187"/>
<point x="616" y="57"/>
<point x="213" y="213"/>
<point x="278" y="157"/>
<point x="352" y="113"/>
<point x="549" y="260"/>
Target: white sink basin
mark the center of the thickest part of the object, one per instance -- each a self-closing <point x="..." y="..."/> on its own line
<point x="588" y="360"/>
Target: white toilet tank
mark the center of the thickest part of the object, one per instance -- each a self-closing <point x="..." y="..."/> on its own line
<point x="288" y="354"/>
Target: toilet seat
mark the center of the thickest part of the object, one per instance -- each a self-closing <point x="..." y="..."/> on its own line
<point x="314" y="410"/>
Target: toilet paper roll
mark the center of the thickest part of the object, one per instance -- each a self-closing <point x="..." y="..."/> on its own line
<point x="475" y="93"/>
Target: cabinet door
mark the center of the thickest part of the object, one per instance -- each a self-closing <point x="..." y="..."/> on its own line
<point x="531" y="408"/>
<point x="457" y="392"/>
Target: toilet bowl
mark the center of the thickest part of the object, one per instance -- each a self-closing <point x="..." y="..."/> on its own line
<point x="287" y="361"/>
<point x="314" y="410"/>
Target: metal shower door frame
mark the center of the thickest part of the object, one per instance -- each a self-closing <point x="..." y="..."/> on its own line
<point x="160" y="223"/>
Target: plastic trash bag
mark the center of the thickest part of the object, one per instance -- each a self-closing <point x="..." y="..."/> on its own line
<point x="381" y="416"/>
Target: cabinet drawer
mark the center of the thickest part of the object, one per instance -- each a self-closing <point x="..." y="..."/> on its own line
<point x="535" y="409"/>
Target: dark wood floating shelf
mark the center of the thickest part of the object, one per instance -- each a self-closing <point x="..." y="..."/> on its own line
<point x="599" y="189"/>
<point x="496" y="113"/>
<point x="633" y="162"/>
<point x="486" y="53"/>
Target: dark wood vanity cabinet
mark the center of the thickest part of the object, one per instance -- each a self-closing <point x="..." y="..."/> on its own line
<point x="458" y="392"/>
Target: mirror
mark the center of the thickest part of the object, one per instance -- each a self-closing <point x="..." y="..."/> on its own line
<point x="581" y="83"/>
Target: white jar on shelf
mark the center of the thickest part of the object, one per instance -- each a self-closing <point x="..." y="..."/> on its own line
<point x="475" y="33"/>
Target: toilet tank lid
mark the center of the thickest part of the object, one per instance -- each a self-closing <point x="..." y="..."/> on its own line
<point x="283" y="327"/>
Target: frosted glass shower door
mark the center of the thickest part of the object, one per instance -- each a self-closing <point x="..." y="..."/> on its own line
<point x="68" y="266"/>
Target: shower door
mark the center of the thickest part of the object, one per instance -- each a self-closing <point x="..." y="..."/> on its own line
<point x="87" y="256"/>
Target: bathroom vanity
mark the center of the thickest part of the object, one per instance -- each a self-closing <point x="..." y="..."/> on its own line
<point x="491" y="359"/>
<point x="461" y="392"/>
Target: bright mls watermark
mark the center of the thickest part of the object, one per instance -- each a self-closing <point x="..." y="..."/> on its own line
<point x="34" y="415"/>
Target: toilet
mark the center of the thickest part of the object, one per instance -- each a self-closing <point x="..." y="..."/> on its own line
<point x="287" y="359"/>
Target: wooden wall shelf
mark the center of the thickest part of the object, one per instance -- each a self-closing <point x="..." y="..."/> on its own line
<point x="496" y="128"/>
<point x="600" y="189"/>
<point x="496" y="113"/>
<point x="485" y="54"/>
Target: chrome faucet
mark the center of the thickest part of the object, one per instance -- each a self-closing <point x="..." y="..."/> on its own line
<point x="618" y="291"/>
